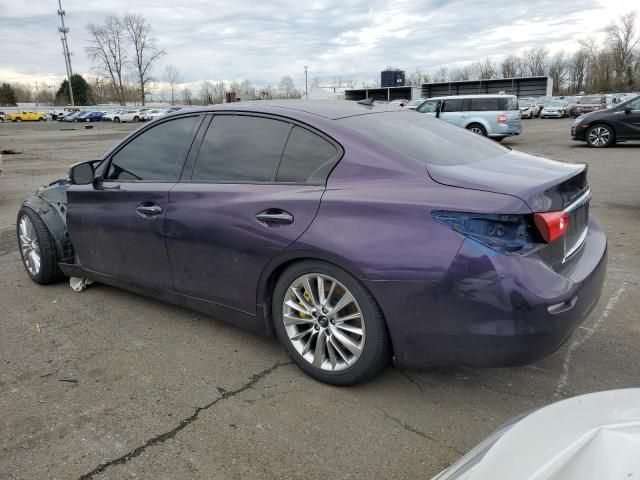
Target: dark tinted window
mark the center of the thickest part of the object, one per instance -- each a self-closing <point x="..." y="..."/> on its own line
<point x="423" y="138"/>
<point x="486" y="104"/>
<point x="453" y="105"/>
<point x="239" y="148"/>
<point x="155" y="155"/>
<point x="307" y="158"/>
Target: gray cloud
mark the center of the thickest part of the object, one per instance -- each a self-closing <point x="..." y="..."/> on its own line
<point x="262" y="41"/>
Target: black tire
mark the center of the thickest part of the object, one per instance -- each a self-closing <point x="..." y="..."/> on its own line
<point x="18" y="119"/>
<point x="116" y="119"/>
<point x="477" y="129"/>
<point x="49" y="271"/>
<point x="600" y="136"/>
<point x="376" y="351"/>
<point x="41" y="119"/>
<point x="136" y="119"/>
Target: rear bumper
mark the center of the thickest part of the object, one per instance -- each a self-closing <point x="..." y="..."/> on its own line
<point x="493" y="310"/>
<point x="506" y="130"/>
<point x="552" y="114"/>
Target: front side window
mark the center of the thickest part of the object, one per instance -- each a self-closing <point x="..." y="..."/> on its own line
<point x="635" y="104"/>
<point x="240" y="148"/>
<point x="307" y="158"/>
<point x="428" y="107"/>
<point x="156" y="155"/>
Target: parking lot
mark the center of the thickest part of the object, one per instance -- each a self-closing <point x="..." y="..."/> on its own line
<point x="107" y="384"/>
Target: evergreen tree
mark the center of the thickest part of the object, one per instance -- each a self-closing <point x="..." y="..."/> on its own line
<point x="7" y="96"/>
<point x="82" y="94"/>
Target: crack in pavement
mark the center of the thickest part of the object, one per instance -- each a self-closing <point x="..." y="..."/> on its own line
<point x="184" y="423"/>
<point x="418" y="432"/>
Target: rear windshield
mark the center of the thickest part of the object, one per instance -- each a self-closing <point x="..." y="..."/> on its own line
<point x="591" y="100"/>
<point x="423" y="138"/>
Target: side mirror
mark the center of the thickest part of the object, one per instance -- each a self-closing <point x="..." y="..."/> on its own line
<point x="82" y="173"/>
<point x="627" y="110"/>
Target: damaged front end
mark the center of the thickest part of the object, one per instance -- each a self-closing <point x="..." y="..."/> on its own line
<point x="50" y="203"/>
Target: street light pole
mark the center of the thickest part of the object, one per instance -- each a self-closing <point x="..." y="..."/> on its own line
<point x="306" y="90"/>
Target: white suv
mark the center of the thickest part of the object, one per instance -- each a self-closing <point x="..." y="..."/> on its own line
<point x="131" y="116"/>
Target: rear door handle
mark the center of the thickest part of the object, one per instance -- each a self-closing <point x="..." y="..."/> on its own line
<point x="274" y="217"/>
<point x="149" y="209"/>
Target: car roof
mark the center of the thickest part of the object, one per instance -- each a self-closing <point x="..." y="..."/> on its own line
<point x="448" y="97"/>
<point x="329" y="109"/>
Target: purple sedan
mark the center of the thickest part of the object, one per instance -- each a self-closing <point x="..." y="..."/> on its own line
<point x="355" y="233"/>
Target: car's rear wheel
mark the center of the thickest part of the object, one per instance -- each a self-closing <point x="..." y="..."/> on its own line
<point x="600" y="136"/>
<point x="330" y="324"/>
<point x="136" y="119"/>
<point x="18" y="119"/>
<point x="116" y="119"/>
<point x="41" y="119"/>
<point x="37" y="248"/>
<point x="477" y="129"/>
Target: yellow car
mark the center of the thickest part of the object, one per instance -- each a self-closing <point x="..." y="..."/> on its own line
<point x="27" y="116"/>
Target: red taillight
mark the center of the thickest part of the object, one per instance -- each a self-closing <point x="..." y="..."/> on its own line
<point x="551" y="225"/>
<point x="502" y="118"/>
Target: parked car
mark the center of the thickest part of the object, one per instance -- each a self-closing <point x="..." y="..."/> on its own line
<point x="89" y="117"/>
<point x="3" y="117"/>
<point x="555" y="109"/>
<point x="529" y="109"/>
<point x="356" y="233"/>
<point x="604" y="128"/>
<point x="109" y="116"/>
<point x="71" y="116"/>
<point x="131" y="116"/>
<point x="587" y="437"/>
<point x="401" y="102"/>
<point x="26" y="117"/>
<point x="156" y="112"/>
<point x="495" y="116"/>
<point x="591" y="103"/>
<point x="55" y="113"/>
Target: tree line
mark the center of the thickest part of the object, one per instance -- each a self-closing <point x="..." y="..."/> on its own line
<point x="613" y="66"/>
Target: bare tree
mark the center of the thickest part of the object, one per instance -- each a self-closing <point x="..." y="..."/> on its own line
<point x="442" y="75"/>
<point x="186" y="96"/>
<point x="511" y="66"/>
<point x="172" y="77"/>
<point x="218" y="92"/>
<point x="622" y="40"/>
<point x="315" y="82"/>
<point x="535" y="60"/>
<point x="107" y="52"/>
<point x="417" y="78"/>
<point x="578" y="70"/>
<point x="558" y="71"/>
<point x="145" y="51"/>
<point x="485" y="70"/>
<point x="206" y="93"/>
<point x="287" y="88"/>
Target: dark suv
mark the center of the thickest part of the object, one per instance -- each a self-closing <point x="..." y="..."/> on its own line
<point x="605" y="127"/>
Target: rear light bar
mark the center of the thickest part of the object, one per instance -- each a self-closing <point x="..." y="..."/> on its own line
<point x="551" y="225"/>
<point x="502" y="118"/>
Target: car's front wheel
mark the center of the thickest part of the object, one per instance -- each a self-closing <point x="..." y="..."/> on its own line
<point x="116" y="119"/>
<point x="330" y="324"/>
<point x="37" y="248"/>
<point x="600" y="136"/>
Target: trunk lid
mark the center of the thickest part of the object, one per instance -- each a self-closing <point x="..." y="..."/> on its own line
<point x="543" y="184"/>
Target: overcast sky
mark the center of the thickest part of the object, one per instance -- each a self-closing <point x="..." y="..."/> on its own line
<point x="264" y="40"/>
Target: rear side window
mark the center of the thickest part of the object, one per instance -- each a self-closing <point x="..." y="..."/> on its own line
<point x="239" y="148"/>
<point x="307" y="158"/>
<point x="452" y="105"/>
<point x="485" y="104"/>
<point x="156" y="155"/>
<point x="424" y="139"/>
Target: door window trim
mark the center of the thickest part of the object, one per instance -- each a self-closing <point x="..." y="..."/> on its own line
<point x="180" y="163"/>
<point x="187" y="173"/>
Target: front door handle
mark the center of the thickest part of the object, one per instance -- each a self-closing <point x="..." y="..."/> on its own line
<point x="149" y="209"/>
<point x="274" y="217"/>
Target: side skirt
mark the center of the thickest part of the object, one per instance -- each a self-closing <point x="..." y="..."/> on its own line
<point x="238" y="318"/>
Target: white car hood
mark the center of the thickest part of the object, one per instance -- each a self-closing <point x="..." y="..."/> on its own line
<point x="589" y="437"/>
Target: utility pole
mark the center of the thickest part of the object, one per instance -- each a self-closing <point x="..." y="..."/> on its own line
<point x="306" y="90"/>
<point x="36" y="94"/>
<point x="65" y="49"/>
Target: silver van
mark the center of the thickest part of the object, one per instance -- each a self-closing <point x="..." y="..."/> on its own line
<point x="494" y="116"/>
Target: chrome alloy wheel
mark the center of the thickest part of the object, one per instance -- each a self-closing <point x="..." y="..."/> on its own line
<point x="324" y="322"/>
<point x="599" y="136"/>
<point x="29" y="245"/>
<point x="476" y="130"/>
